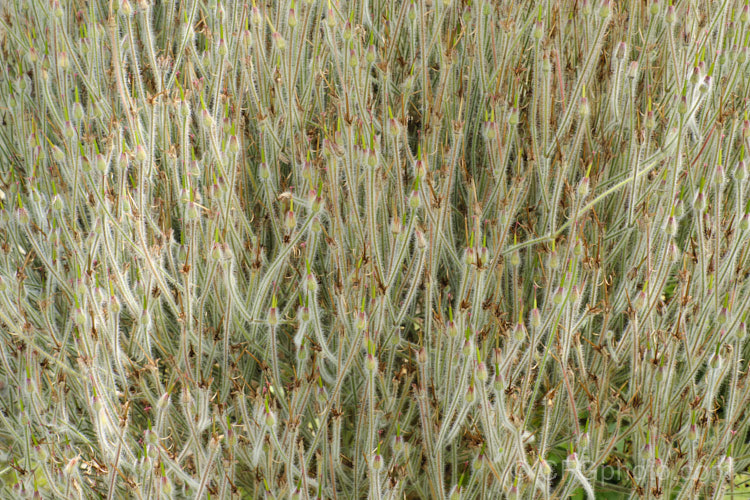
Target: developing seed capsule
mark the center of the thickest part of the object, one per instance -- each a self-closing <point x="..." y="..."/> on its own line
<point x="723" y="315"/>
<point x="468" y="348"/>
<point x="559" y="296"/>
<point x="269" y="419"/>
<point x="316" y="226"/>
<point x="682" y="105"/>
<point x="57" y="154"/>
<point x="515" y="258"/>
<point x="216" y="252"/>
<point x="371" y="55"/>
<point x="715" y="362"/>
<point x="347" y="33"/>
<point x="700" y="202"/>
<point x="470" y="395"/>
<point x="79" y="317"/>
<point x="394" y="127"/>
<point x="372" y="158"/>
<point x="740" y="171"/>
<point x="311" y="284"/>
<point x="191" y="211"/>
<point x="633" y="70"/>
<point x="273" y="316"/>
<point x="583" y="187"/>
<point x="695" y="76"/>
<point x="692" y="433"/>
<point x="535" y="318"/>
<point x="62" y="60"/>
<point x="742" y="55"/>
<point x="140" y="153"/>
<point x="498" y="383"/>
<point x="640" y="301"/>
<point x="620" y="51"/>
<point x="481" y="373"/>
<point x="513" y="116"/>
<point x="671" y="226"/>
<point x="478" y="463"/>
<point x="77" y="111"/>
<point x="519" y="332"/>
<point x="483" y="257"/>
<point x="371" y="364"/>
<point x="654" y="8"/>
<point x="126" y="9"/>
<point x="397" y="445"/>
<point x="353" y="60"/>
<point x="583" y="107"/>
<point x="420" y="168"/>
<point x="745" y="222"/>
<point x="56" y="203"/>
<point x="414" y="201"/>
<point x="553" y="260"/>
<point x="290" y="220"/>
<point x="670" y="17"/>
<point x="452" y="330"/>
<point x="360" y="323"/>
<point x="377" y="462"/>
<point x="741" y="331"/>
<point x="538" y="31"/>
<point x="291" y="19"/>
<point x="247" y="39"/>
